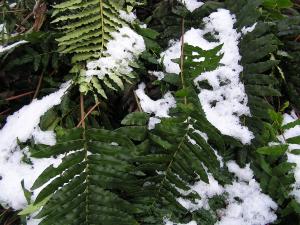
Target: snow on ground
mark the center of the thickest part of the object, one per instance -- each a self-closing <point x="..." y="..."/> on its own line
<point x="227" y="101"/>
<point x="192" y="5"/>
<point x="246" y="204"/>
<point x="292" y="158"/>
<point x="22" y="126"/>
<point x="117" y="59"/>
<point x="159" y="108"/>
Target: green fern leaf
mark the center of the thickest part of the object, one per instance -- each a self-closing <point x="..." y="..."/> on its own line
<point x="87" y="185"/>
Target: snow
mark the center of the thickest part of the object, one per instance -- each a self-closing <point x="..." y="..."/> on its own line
<point x="2" y="27"/>
<point x="204" y="190"/>
<point x="13" y="5"/>
<point x="192" y="5"/>
<point x="292" y="158"/>
<point x="117" y="59"/>
<point x="153" y="121"/>
<point x="22" y="126"/>
<point x="168" y="222"/>
<point x="244" y="174"/>
<point x="160" y="108"/>
<point x="11" y="46"/>
<point x="246" y="30"/>
<point x="44" y="137"/>
<point x="128" y="17"/>
<point x="246" y="204"/>
<point x="227" y="101"/>
<point x="33" y="221"/>
<point x="160" y="75"/>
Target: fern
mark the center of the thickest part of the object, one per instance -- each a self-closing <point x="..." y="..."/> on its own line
<point x="275" y="171"/>
<point x="177" y="155"/>
<point x="288" y="31"/>
<point x="90" y="185"/>
<point x="87" y="26"/>
<point x="256" y="49"/>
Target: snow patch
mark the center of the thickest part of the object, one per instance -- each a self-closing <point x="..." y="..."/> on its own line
<point x="22" y="126"/>
<point x="11" y="46"/>
<point x="192" y="5"/>
<point x="244" y="174"/>
<point x="204" y="190"/>
<point x="117" y="59"/>
<point x="292" y="158"/>
<point x="128" y="17"/>
<point x="246" y="30"/>
<point x="160" y="108"/>
<point x="246" y="204"/>
<point x="168" y="222"/>
<point x="227" y="101"/>
<point x="160" y="75"/>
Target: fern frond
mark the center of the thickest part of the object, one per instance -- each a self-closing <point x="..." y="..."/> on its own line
<point x="276" y="165"/>
<point x="85" y="22"/>
<point x="177" y="154"/>
<point x="90" y="184"/>
<point x="256" y="49"/>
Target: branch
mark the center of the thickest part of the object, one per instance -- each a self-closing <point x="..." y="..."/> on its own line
<point x="87" y="114"/>
<point x="82" y="122"/>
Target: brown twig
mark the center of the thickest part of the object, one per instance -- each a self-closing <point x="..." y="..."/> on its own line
<point x="138" y="102"/>
<point x="19" y="96"/>
<point x="38" y="86"/>
<point x="82" y="122"/>
<point x="5" y="111"/>
<point x="88" y="113"/>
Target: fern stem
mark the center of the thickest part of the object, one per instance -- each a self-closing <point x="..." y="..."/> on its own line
<point x="102" y="26"/>
<point x="88" y="113"/>
<point x="138" y="102"/>
<point x="19" y="96"/>
<point x="82" y="110"/>
<point x="182" y="58"/>
<point x="171" y="163"/>
<point x="38" y="86"/>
